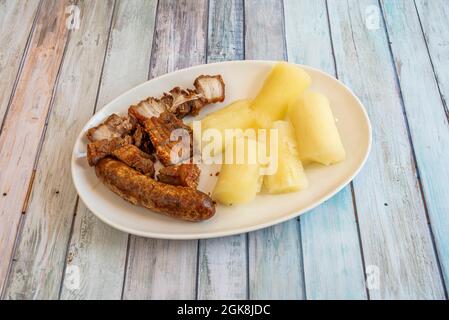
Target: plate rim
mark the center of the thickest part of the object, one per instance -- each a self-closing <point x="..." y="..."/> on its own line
<point x="219" y="234"/>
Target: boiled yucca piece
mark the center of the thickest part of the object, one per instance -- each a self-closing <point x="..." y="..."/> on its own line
<point x="316" y="132"/>
<point x="237" y="115"/>
<point x="285" y="83"/>
<point x="290" y="175"/>
<point x="239" y="183"/>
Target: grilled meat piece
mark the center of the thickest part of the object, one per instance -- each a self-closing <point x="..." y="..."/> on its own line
<point x="114" y="126"/>
<point x="160" y="130"/>
<point x="135" y="158"/>
<point x="186" y="175"/>
<point x="100" y="149"/>
<point x="178" y="202"/>
<point x="142" y="141"/>
<point x="147" y="109"/>
<point x="210" y="88"/>
<point x="185" y="102"/>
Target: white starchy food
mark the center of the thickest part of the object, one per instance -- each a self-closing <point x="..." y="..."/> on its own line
<point x="290" y="175"/>
<point x="238" y="115"/>
<point x="316" y="132"/>
<point x="285" y="83"/>
<point x="239" y="183"/>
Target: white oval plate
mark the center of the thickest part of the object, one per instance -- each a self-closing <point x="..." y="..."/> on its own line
<point x="243" y="80"/>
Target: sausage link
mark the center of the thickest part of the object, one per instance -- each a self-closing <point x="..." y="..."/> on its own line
<point x="178" y="202"/>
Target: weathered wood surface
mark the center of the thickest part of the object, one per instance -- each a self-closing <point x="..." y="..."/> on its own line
<point x="434" y="17"/>
<point x="275" y="257"/>
<point x="159" y="269"/>
<point x="392" y="53"/>
<point x="38" y="264"/>
<point x="333" y="266"/>
<point x="395" y="236"/>
<point x="24" y="123"/>
<point x="16" y="23"/>
<point x="432" y="139"/>
<point x="222" y="270"/>
<point x="97" y="250"/>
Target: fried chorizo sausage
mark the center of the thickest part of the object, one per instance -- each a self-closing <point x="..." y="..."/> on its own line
<point x="175" y="201"/>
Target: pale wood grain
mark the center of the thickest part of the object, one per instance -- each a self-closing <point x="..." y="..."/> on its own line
<point x="159" y="269"/>
<point x="16" y="22"/>
<point x="434" y="18"/>
<point x="38" y="264"/>
<point x="222" y="270"/>
<point x="392" y="217"/>
<point x="25" y="121"/>
<point x="429" y="127"/>
<point x="275" y="259"/>
<point x="333" y="267"/>
<point x="96" y="249"/>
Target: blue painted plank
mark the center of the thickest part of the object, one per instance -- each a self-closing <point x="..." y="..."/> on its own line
<point x="275" y="262"/>
<point x="333" y="267"/>
<point x="396" y="241"/>
<point x="434" y="18"/>
<point x="427" y="119"/>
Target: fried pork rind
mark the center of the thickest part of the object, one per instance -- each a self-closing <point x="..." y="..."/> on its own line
<point x="100" y="149"/>
<point x="114" y="126"/>
<point x="160" y="130"/>
<point x="185" y="175"/>
<point x="180" y="102"/>
<point x="211" y="88"/>
<point x="142" y="141"/>
<point x="147" y="109"/>
<point x="135" y="158"/>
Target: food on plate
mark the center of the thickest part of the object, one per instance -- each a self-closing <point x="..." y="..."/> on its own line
<point x="100" y="149"/>
<point x="122" y="150"/>
<point x="135" y="158"/>
<point x="114" y="126"/>
<point x="316" y="132"/>
<point x="239" y="180"/>
<point x="238" y="115"/>
<point x="290" y="175"/>
<point x="180" y="102"/>
<point x="178" y="202"/>
<point x="186" y="175"/>
<point x="167" y="142"/>
<point x="142" y="141"/>
<point x="285" y="83"/>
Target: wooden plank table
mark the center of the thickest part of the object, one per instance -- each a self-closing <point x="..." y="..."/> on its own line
<point x="385" y="236"/>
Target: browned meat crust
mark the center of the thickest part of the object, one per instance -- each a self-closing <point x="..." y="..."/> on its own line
<point x="210" y="88"/>
<point x="186" y="175"/>
<point x="160" y="129"/>
<point x="180" y="102"/>
<point x="178" y="202"/>
<point x="135" y="158"/>
<point x="185" y="102"/>
<point x="100" y="149"/>
<point x="114" y="126"/>
<point x="142" y="141"/>
<point x="147" y="109"/>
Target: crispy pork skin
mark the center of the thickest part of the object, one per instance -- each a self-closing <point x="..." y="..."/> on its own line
<point x="160" y="130"/>
<point x="178" y="202"/>
<point x="114" y="126"/>
<point x="186" y="175"/>
<point x="210" y="88"/>
<point x="100" y="149"/>
<point x="135" y="158"/>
